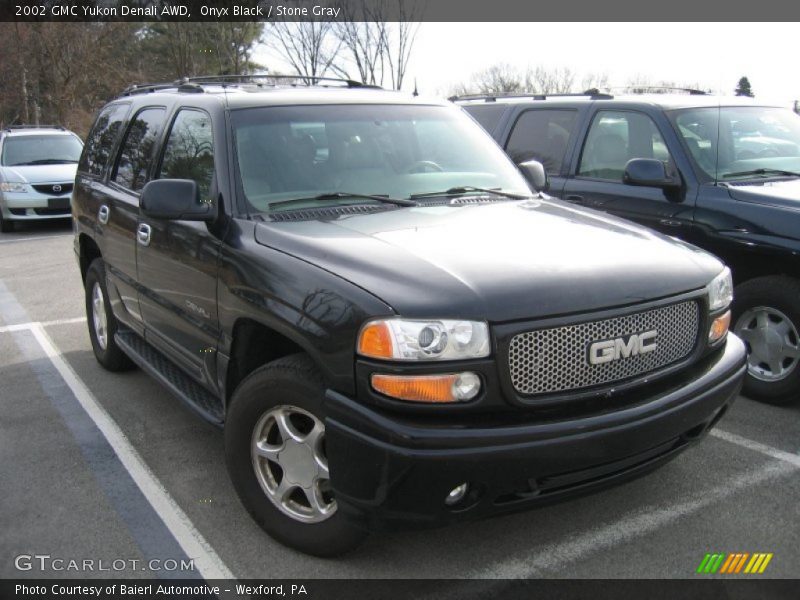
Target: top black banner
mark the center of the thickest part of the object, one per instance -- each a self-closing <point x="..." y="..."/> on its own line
<point x="398" y="10"/>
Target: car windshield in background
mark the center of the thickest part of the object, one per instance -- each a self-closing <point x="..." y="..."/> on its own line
<point x="731" y="143"/>
<point x="322" y="153"/>
<point x="26" y="150"/>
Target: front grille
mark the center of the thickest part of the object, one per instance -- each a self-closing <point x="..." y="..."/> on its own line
<point x="557" y="360"/>
<point x="50" y="188"/>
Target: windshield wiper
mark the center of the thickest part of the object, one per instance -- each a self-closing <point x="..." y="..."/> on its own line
<point x="761" y="171"/>
<point x="465" y="189"/>
<point x="342" y="195"/>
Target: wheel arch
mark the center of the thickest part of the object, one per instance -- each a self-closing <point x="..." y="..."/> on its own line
<point x="89" y="251"/>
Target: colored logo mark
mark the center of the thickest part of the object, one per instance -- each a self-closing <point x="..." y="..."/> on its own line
<point x="734" y="563"/>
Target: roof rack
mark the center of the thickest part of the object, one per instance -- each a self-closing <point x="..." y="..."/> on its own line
<point x="14" y="127"/>
<point x="194" y="84"/>
<point x="644" y="89"/>
<point x="592" y="93"/>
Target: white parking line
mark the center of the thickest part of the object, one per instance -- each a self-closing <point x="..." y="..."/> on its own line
<point x="555" y="556"/>
<point x="744" y="442"/>
<point x="206" y="560"/>
<point x="24" y="326"/>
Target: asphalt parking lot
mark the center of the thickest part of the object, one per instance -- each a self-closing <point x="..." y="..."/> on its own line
<point x="110" y="467"/>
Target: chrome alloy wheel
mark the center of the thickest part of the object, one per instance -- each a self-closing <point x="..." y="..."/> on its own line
<point x="773" y="345"/>
<point x="288" y="455"/>
<point x="99" y="319"/>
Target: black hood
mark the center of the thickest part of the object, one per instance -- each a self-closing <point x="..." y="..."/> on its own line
<point x="502" y="261"/>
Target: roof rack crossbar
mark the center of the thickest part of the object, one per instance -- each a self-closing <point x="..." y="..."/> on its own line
<point x="593" y="93"/>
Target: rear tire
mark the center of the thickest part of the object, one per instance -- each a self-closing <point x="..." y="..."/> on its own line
<point x="101" y="320"/>
<point x="275" y="452"/>
<point x="766" y="315"/>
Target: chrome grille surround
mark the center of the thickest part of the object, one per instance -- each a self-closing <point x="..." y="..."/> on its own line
<point x="547" y="361"/>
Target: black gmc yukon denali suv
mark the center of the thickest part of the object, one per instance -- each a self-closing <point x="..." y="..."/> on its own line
<point x="394" y="330"/>
<point x="720" y="173"/>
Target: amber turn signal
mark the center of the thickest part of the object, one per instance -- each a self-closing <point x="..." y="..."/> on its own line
<point x="433" y="389"/>
<point x="375" y="341"/>
<point x="719" y="327"/>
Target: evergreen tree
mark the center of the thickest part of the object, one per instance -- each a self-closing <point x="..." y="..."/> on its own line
<point x="743" y="88"/>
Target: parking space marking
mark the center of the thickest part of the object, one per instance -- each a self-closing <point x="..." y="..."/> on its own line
<point x="38" y="237"/>
<point x="647" y="520"/>
<point x="755" y="446"/>
<point x="206" y="560"/>
<point x="23" y="326"/>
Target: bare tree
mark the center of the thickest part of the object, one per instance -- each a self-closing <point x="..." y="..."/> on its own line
<point x="498" y="79"/>
<point x="310" y="47"/>
<point x="544" y="80"/>
<point x="378" y="50"/>
<point x="363" y="36"/>
<point x="399" y="39"/>
<point x="594" y="81"/>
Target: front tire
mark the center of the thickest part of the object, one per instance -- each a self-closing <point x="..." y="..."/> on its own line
<point x="766" y="315"/>
<point x="101" y="320"/>
<point x="276" y="456"/>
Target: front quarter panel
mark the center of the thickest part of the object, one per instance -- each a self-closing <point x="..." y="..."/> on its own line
<point x="314" y="308"/>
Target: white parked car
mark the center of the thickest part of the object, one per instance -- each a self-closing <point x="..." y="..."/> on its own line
<point x="37" y="173"/>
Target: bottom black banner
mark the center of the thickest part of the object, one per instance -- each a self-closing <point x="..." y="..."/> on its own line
<point x="388" y="589"/>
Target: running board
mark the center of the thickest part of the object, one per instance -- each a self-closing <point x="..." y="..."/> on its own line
<point x="172" y="377"/>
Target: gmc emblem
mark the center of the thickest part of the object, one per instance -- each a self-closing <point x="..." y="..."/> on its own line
<point x="608" y="350"/>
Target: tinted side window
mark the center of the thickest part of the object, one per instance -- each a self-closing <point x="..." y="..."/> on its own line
<point x="542" y="135"/>
<point x="614" y="138"/>
<point x="100" y="143"/>
<point x="136" y="155"/>
<point x="189" y="152"/>
<point x="487" y="115"/>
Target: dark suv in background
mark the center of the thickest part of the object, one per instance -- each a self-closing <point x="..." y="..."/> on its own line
<point x="393" y="328"/>
<point x="721" y="173"/>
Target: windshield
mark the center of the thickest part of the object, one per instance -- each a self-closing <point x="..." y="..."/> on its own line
<point x="751" y="142"/>
<point x="303" y="152"/>
<point x="41" y="150"/>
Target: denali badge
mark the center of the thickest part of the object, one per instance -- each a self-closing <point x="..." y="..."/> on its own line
<point x="608" y="350"/>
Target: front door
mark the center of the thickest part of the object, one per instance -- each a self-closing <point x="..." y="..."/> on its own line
<point x="177" y="260"/>
<point x="615" y="137"/>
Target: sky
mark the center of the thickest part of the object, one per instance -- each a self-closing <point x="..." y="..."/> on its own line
<point x="713" y="55"/>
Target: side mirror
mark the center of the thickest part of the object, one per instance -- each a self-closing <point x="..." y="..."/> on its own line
<point x="648" y="172"/>
<point x="534" y="172"/>
<point x="174" y="200"/>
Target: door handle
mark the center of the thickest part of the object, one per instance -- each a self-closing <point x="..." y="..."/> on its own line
<point x="670" y="222"/>
<point x="575" y="199"/>
<point x="103" y="214"/>
<point x="143" y="234"/>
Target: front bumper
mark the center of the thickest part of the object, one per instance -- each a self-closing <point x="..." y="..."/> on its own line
<point x="390" y="470"/>
<point x="33" y="206"/>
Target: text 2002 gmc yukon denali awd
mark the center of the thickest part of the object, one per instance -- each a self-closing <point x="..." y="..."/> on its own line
<point x="392" y="327"/>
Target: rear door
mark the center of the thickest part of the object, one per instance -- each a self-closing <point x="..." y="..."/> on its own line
<point x="177" y="260"/>
<point x="612" y="139"/>
<point x="113" y="217"/>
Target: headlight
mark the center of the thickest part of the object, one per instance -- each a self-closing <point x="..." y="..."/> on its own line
<point x="13" y="186"/>
<point x="720" y="290"/>
<point x="400" y="339"/>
